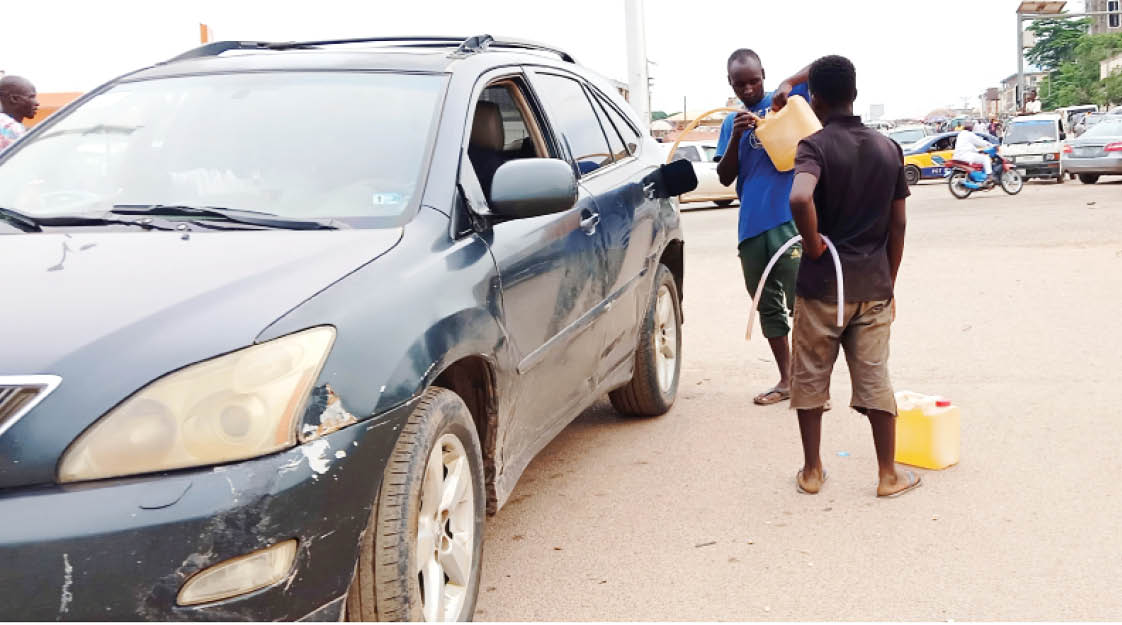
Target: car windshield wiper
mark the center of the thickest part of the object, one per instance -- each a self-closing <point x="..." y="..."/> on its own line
<point x="254" y="218"/>
<point x="28" y="223"/>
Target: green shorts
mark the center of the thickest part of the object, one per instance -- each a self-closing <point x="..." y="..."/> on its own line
<point x="777" y="303"/>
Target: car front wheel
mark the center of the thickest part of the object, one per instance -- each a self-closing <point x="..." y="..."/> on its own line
<point x="421" y="554"/>
<point x="654" y="384"/>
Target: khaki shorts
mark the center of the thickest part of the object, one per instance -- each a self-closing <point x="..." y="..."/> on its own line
<point x="815" y="340"/>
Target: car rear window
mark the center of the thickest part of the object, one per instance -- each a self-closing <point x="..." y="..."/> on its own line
<point x="297" y="144"/>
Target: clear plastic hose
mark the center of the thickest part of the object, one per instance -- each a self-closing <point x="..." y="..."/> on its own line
<point x="775" y="258"/>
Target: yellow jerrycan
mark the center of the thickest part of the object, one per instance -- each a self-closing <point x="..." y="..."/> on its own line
<point x="927" y="430"/>
<point x="780" y="131"/>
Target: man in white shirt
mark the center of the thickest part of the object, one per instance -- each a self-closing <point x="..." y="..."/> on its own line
<point x="17" y="102"/>
<point x="966" y="146"/>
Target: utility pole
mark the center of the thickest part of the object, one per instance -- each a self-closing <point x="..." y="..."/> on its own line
<point x="637" y="61"/>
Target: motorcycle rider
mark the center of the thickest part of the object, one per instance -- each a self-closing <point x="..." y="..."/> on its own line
<point x="966" y="146"/>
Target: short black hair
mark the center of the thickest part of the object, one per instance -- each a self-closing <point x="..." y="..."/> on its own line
<point x="743" y="54"/>
<point x="833" y="79"/>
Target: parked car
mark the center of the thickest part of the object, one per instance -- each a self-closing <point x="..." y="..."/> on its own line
<point x="1034" y="143"/>
<point x="1097" y="152"/>
<point x="920" y="163"/>
<point x="702" y="157"/>
<point x="271" y="359"/>
<point x="908" y="136"/>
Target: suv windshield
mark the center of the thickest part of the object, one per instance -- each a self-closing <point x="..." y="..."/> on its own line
<point x="1030" y="131"/>
<point x="295" y="144"/>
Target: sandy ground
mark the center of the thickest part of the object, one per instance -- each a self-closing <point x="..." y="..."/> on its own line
<point x="1007" y="305"/>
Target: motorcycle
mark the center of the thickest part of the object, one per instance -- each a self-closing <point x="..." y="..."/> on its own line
<point x="965" y="178"/>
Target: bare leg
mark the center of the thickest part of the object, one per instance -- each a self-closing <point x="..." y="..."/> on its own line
<point x="884" y="439"/>
<point x="782" y="352"/>
<point x="810" y="428"/>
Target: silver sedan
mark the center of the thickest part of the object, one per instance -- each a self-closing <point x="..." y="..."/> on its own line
<point x="1097" y="152"/>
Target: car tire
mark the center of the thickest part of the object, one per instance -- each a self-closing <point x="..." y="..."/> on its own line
<point x="912" y="175"/>
<point x="1088" y="178"/>
<point x="658" y="363"/>
<point x="1060" y="179"/>
<point x="415" y="512"/>
<point x="723" y="203"/>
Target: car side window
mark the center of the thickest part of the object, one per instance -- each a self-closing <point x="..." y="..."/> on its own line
<point x="626" y="130"/>
<point x="688" y="153"/>
<point x="619" y="151"/>
<point x="502" y="130"/>
<point x="575" y="121"/>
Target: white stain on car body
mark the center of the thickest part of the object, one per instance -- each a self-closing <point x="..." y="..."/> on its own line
<point x="67" y="582"/>
<point x="316" y="453"/>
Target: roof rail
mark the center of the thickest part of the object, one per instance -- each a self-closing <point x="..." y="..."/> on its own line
<point x="468" y="45"/>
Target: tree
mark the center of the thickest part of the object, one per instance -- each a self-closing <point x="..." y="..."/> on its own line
<point x="1077" y="80"/>
<point x="657" y="115"/>
<point x="1056" y="41"/>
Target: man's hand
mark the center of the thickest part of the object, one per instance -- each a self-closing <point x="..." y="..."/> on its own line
<point x="779" y="98"/>
<point x="815" y="247"/>
<point x="743" y="122"/>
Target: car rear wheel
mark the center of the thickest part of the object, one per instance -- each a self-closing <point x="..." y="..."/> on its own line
<point x="654" y="384"/>
<point x="1088" y="178"/>
<point x="723" y="203"/>
<point x="912" y="174"/>
<point x="421" y="554"/>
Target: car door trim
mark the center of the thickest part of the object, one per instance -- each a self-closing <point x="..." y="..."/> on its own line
<point x="574" y="329"/>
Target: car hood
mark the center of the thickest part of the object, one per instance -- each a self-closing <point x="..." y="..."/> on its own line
<point x="109" y="312"/>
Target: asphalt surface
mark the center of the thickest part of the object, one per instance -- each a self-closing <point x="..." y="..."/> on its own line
<point x="1006" y="305"/>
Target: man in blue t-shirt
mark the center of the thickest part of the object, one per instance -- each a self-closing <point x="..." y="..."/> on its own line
<point x="765" y="210"/>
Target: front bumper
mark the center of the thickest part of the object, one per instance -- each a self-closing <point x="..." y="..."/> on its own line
<point x="1037" y="169"/>
<point x="1106" y="165"/>
<point x="121" y="549"/>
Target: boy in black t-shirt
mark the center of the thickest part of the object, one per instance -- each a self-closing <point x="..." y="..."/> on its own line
<point x="849" y="186"/>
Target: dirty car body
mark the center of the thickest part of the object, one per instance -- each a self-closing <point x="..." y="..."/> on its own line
<point x="417" y="283"/>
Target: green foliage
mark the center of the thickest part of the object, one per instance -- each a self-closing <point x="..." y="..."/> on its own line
<point x="1056" y="41"/>
<point x="657" y="115"/>
<point x="1076" y="80"/>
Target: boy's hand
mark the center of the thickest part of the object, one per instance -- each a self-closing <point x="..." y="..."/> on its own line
<point x="743" y="122"/>
<point x="779" y="98"/>
<point x="816" y="248"/>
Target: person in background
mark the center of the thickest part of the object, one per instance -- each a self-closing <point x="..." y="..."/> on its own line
<point x="849" y="186"/>
<point x="765" y="213"/>
<point x="18" y="102"/>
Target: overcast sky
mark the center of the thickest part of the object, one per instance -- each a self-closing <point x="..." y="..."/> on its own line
<point x="909" y="54"/>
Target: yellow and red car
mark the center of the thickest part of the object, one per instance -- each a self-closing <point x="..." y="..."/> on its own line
<point x="918" y="162"/>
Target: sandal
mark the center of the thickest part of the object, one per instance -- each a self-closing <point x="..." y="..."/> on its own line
<point x="771" y="396"/>
<point x="914" y="481"/>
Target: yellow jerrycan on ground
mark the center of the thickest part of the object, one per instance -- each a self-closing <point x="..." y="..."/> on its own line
<point x="927" y="430"/>
<point x="780" y="131"/>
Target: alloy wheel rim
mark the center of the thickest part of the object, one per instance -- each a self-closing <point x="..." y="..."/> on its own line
<point x="665" y="338"/>
<point x="445" y="531"/>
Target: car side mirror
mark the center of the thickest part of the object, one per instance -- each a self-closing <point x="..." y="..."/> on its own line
<point x="670" y="180"/>
<point x="531" y="187"/>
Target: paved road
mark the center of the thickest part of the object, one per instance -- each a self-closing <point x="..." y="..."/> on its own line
<point x="1007" y="305"/>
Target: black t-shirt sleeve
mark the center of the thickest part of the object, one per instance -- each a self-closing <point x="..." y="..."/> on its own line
<point x="808" y="159"/>
<point x="902" y="190"/>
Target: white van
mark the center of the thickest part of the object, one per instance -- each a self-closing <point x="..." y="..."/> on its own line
<point x="1033" y="144"/>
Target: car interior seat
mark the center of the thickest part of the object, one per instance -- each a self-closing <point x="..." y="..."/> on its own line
<point x="485" y="149"/>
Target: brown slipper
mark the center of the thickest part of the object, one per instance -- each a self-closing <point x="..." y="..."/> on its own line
<point x="914" y="481"/>
<point x="771" y="396"/>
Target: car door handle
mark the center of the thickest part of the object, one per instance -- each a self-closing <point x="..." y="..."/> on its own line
<point x="589" y="221"/>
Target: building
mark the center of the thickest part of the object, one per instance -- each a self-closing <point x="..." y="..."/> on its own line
<point x="989" y="102"/>
<point x="1109" y="66"/>
<point x="1009" y="90"/>
<point x="1105" y="23"/>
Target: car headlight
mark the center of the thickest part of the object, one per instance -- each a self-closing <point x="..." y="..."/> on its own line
<point x="241" y="405"/>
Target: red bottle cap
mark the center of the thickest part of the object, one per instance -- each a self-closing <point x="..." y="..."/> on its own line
<point x="942" y="403"/>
